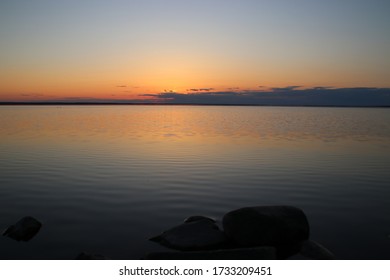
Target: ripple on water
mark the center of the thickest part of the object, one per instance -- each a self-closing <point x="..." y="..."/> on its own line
<point x="104" y="179"/>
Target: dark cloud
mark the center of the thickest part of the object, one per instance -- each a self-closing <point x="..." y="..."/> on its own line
<point x="122" y="86"/>
<point x="288" y="88"/>
<point x="200" y="89"/>
<point x="319" y="88"/>
<point x="151" y="94"/>
<point x="288" y="96"/>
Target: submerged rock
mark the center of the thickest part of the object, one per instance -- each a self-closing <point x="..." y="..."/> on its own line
<point x="280" y="226"/>
<point x="25" y="229"/>
<point x="198" y="218"/>
<point x="257" y="253"/>
<point x="200" y="234"/>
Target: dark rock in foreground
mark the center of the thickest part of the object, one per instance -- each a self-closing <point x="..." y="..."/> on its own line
<point x="261" y="232"/>
<point x="257" y="253"/>
<point x="200" y="234"/>
<point x="197" y="218"/>
<point x="277" y="226"/>
<point x="24" y="230"/>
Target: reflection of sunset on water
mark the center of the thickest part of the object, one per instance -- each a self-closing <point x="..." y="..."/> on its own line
<point x="130" y="127"/>
<point x="82" y="168"/>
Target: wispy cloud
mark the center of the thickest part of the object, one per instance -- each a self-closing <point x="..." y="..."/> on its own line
<point x="288" y="88"/>
<point x="200" y="89"/>
<point x="31" y="94"/>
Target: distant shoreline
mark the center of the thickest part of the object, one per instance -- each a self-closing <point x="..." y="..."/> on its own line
<point x="172" y="104"/>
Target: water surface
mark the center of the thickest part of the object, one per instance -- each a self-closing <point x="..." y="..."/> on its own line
<point x="104" y="179"/>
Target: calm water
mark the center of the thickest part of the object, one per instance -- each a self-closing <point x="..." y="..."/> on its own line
<point x="104" y="179"/>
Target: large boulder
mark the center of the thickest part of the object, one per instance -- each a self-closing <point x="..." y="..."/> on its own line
<point x="283" y="227"/>
<point x="25" y="229"/>
<point x="200" y="234"/>
<point x="257" y="253"/>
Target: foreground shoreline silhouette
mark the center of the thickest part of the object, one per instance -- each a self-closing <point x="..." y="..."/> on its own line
<point x="260" y="232"/>
<point x="249" y="233"/>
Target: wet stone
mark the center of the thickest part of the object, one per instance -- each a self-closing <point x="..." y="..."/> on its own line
<point x="278" y="226"/>
<point x="198" y="218"/>
<point x="200" y="234"/>
<point x="24" y="230"/>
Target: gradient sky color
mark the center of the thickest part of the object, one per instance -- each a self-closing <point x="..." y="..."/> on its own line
<point x="121" y="49"/>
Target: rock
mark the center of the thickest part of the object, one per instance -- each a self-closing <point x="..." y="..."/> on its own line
<point x="197" y="218"/>
<point x="257" y="253"/>
<point x="200" y="234"/>
<point x="277" y="226"/>
<point x="315" y="251"/>
<point x="25" y="229"/>
<point x="88" y="256"/>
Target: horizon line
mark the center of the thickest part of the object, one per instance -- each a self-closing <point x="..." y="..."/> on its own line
<point x="67" y="103"/>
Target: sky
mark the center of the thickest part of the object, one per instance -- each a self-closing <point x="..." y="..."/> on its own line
<point x="161" y="49"/>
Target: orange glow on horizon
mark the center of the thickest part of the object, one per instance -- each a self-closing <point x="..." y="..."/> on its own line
<point x="118" y="78"/>
<point x="175" y="73"/>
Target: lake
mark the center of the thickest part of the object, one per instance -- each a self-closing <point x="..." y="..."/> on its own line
<point x="104" y="179"/>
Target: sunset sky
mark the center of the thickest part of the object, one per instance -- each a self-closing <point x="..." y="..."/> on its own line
<point x="133" y="49"/>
